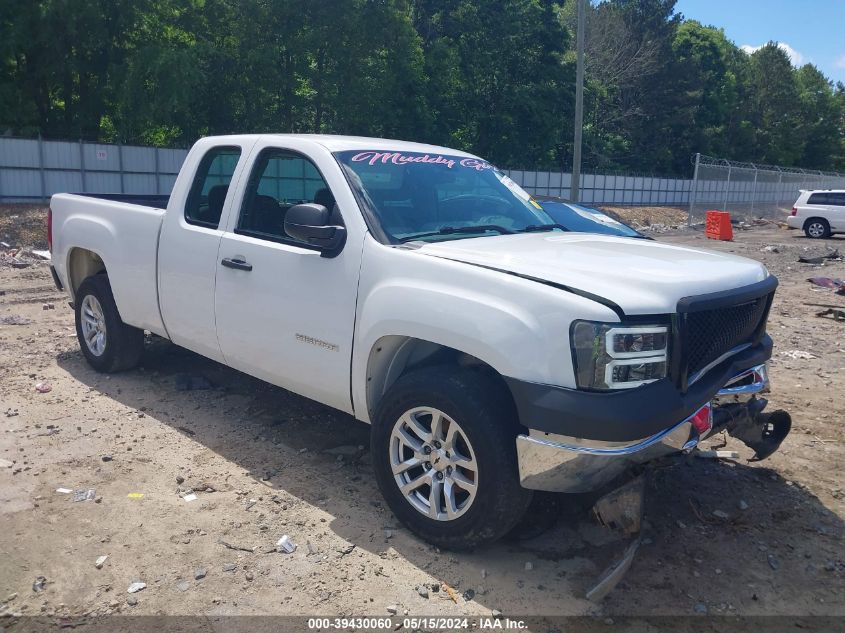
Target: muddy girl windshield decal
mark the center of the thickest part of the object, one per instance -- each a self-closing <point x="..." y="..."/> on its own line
<point x="429" y="196"/>
<point x="404" y="158"/>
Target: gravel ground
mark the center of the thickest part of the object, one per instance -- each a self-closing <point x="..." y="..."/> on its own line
<point x="264" y="462"/>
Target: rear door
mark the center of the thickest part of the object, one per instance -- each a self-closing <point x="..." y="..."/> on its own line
<point x="190" y="239"/>
<point x="284" y="312"/>
<point x="836" y="211"/>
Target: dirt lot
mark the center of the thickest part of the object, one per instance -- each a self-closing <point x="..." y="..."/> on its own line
<point x="264" y="462"/>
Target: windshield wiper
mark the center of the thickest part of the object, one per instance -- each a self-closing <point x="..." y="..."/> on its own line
<point x="451" y="230"/>
<point x="535" y="228"/>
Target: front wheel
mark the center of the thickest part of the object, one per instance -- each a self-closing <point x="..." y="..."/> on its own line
<point x="108" y="344"/>
<point x="817" y="228"/>
<point x="443" y="446"/>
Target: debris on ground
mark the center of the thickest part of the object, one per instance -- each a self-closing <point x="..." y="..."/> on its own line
<point x="101" y="560"/>
<point x="285" y="545"/>
<point x="135" y="495"/>
<point x="233" y="546"/>
<point x="837" y="315"/>
<point x="183" y="585"/>
<point x="721" y="514"/>
<point x="14" y="319"/>
<point x="43" y="387"/>
<point x="797" y="354"/>
<point x="622" y="509"/>
<point x="189" y="382"/>
<point x="422" y="590"/>
<point x="84" y="495"/>
<point x="190" y="497"/>
<point x="200" y="573"/>
<point x="712" y="454"/>
<point x="64" y="491"/>
<point x="829" y="283"/>
<point x="136" y="586"/>
<point x="832" y="255"/>
<point x="613" y="574"/>
<point x="39" y="584"/>
<point x="450" y="591"/>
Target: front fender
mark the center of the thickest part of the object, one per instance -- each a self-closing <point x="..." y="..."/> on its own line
<point x="516" y="326"/>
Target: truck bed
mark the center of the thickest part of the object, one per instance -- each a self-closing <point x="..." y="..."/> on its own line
<point x="122" y="232"/>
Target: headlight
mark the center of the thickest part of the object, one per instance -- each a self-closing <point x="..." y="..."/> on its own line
<point x="615" y="356"/>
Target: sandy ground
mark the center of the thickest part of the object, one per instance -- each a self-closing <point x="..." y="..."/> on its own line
<point x="264" y="462"/>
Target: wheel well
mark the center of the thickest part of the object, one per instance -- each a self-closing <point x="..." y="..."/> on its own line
<point x="83" y="263"/>
<point x="815" y="217"/>
<point x="394" y="356"/>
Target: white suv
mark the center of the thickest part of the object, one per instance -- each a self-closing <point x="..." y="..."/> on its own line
<point x="820" y="213"/>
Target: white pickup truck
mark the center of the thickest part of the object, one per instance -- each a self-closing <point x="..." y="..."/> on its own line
<point x="419" y="289"/>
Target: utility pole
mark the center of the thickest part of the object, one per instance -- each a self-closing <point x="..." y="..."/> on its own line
<point x="575" y="186"/>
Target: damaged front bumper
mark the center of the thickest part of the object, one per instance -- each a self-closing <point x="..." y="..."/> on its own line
<point x="561" y="463"/>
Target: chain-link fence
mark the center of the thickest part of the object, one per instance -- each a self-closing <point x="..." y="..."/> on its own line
<point x="751" y="190"/>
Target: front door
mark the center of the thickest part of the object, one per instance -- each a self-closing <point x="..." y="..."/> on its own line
<point x="285" y="313"/>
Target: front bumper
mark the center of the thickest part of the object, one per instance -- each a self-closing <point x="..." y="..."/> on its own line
<point x="561" y="463"/>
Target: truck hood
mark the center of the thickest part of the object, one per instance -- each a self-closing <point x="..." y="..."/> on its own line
<point x="640" y="276"/>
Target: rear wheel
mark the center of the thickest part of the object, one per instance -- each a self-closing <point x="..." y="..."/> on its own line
<point x="443" y="446"/>
<point x="108" y="344"/>
<point x="817" y="228"/>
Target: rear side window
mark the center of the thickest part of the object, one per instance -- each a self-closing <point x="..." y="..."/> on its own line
<point x="281" y="179"/>
<point x="819" y="198"/>
<point x="210" y="186"/>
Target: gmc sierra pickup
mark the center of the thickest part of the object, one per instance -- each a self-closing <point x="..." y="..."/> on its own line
<point x="418" y="288"/>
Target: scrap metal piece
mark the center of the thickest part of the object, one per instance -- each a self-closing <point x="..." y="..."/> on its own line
<point x="763" y="433"/>
<point x="622" y="509"/>
<point x="613" y="574"/>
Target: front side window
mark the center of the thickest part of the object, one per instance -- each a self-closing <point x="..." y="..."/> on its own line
<point x="280" y="179"/>
<point x="435" y="197"/>
<point x="211" y="184"/>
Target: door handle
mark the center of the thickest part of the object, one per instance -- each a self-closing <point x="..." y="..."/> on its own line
<point x="237" y="264"/>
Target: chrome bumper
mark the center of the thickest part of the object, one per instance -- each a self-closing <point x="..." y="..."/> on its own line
<point x="566" y="464"/>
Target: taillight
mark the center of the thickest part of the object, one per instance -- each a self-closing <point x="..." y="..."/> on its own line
<point x="794" y="211"/>
<point x="50" y="230"/>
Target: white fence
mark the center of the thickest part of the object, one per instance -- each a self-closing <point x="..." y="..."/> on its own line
<point x="32" y="170"/>
<point x="611" y="189"/>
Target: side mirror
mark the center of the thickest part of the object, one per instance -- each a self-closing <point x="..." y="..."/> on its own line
<point x="310" y="223"/>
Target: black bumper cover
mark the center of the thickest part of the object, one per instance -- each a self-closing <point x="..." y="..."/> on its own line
<point x="623" y="416"/>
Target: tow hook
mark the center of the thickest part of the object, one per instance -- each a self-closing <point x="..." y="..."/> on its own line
<point x="761" y="432"/>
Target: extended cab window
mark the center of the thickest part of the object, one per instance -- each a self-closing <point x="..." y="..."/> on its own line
<point x="279" y="180"/>
<point x="211" y="183"/>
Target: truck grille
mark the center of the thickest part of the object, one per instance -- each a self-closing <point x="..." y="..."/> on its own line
<point x="711" y="333"/>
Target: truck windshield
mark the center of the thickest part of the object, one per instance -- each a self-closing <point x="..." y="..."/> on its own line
<point x="434" y="197"/>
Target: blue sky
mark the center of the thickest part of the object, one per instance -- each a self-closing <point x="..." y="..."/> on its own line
<point x="811" y="31"/>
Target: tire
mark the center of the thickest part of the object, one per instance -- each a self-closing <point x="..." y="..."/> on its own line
<point x="112" y="345"/>
<point x="481" y="456"/>
<point x="817" y="228"/>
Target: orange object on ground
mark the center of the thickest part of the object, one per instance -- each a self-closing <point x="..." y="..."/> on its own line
<point x="717" y="226"/>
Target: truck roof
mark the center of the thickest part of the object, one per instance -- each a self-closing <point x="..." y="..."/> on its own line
<point x="337" y="143"/>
